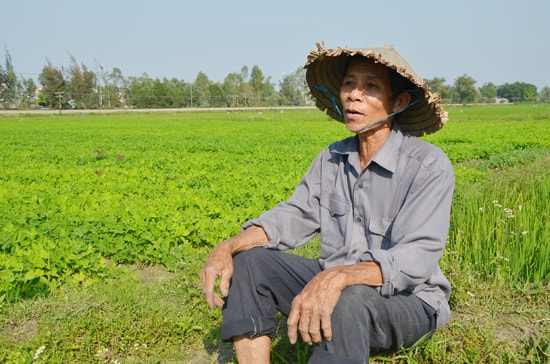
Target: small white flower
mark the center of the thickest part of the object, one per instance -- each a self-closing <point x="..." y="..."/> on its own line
<point x="509" y="213"/>
<point x="39" y="351"/>
<point x="102" y="353"/>
<point x="524" y="233"/>
<point x="138" y="345"/>
<point x="481" y="209"/>
<point x="519" y="207"/>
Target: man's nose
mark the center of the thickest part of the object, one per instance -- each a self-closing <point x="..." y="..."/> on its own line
<point x="355" y="93"/>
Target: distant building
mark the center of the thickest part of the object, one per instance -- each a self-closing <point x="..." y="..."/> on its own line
<point x="501" y="100"/>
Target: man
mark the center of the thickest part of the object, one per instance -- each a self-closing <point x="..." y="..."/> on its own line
<point x="380" y="201"/>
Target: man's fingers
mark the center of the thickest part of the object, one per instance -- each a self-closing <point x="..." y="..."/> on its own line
<point x="218" y="264"/>
<point x="299" y="319"/>
<point x="208" y="280"/>
<point x="218" y="302"/>
<point x="314" y="329"/>
<point x="292" y="324"/>
<point x="304" y="325"/>
<point x="225" y="282"/>
<point x="326" y="327"/>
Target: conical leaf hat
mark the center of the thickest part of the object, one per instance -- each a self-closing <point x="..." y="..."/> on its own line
<point x="325" y="71"/>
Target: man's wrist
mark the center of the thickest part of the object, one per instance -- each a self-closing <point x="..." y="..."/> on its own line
<point x="254" y="236"/>
<point x="365" y="273"/>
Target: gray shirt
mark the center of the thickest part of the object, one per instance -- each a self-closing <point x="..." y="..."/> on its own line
<point x="395" y="211"/>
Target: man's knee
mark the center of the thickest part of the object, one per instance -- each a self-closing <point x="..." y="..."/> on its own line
<point x="252" y="255"/>
<point x="351" y="321"/>
<point x="355" y="309"/>
<point x="251" y="259"/>
<point x="356" y="297"/>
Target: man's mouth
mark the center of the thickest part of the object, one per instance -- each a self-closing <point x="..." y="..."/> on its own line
<point x="352" y="113"/>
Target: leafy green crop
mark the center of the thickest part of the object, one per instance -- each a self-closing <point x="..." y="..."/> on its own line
<point x="80" y="194"/>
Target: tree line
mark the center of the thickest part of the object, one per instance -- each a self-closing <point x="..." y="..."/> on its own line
<point x="78" y="87"/>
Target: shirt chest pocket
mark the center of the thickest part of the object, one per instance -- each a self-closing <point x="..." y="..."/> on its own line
<point x="335" y="206"/>
<point x="334" y="215"/>
<point x="380" y="233"/>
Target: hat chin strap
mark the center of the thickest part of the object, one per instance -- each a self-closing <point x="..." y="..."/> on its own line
<point x="331" y="96"/>
<point x="375" y="123"/>
<point x="381" y="120"/>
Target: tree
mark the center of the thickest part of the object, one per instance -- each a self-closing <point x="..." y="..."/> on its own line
<point x="108" y="89"/>
<point x="121" y="85"/>
<point x="245" y="89"/>
<point x="293" y="88"/>
<point x="257" y="85"/>
<point x="201" y="90"/>
<point x="509" y="91"/>
<point x="270" y="97"/>
<point x="82" y="87"/>
<point x="262" y="88"/>
<point x="53" y="84"/>
<point x="231" y="85"/>
<point x="466" y="89"/>
<point x="544" y="95"/>
<point x="437" y="84"/>
<point x="176" y="92"/>
<point x="244" y="73"/>
<point x="217" y="98"/>
<point x="141" y="92"/>
<point x="529" y="92"/>
<point x="448" y="94"/>
<point x="160" y="92"/>
<point x="9" y="85"/>
<point x="518" y="91"/>
<point x="29" y="92"/>
<point x="488" y="92"/>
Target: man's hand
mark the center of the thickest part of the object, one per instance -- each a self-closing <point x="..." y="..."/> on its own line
<point x="312" y="309"/>
<point x="218" y="264"/>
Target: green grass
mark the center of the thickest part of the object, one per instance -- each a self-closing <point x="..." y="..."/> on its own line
<point x="502" y="225"/>
<point x="107" y="220"/>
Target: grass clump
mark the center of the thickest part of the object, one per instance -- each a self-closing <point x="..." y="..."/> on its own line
<point x="145" y="315"/>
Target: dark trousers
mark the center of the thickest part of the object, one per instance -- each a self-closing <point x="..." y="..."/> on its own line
<point x="266" y="281"/>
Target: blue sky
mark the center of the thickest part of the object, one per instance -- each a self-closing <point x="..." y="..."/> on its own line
<point x="489" y="40"/>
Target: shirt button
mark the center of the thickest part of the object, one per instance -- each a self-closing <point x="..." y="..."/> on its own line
<point x="360" y="186"/>
<point x="354" y="251"/>
<point x="358" y="219"/>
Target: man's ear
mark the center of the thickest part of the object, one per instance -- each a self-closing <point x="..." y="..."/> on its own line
<point x="402" y="100"/>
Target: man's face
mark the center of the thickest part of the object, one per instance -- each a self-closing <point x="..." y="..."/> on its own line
<point x="365" y="94"/>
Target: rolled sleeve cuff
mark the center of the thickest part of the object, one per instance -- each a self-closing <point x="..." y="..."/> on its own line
<point x="272" y="233"/>
<point x="386" y="263"/>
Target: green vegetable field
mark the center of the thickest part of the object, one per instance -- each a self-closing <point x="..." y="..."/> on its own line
<point x="106" y="220"/>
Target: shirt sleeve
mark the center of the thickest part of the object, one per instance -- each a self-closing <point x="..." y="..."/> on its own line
<point x="296" y="221"/>
<point x="419" y="231"/>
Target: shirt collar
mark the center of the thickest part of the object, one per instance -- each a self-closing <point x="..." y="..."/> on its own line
<point x="386" y="156"/>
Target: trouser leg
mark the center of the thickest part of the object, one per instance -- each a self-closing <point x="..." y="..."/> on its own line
<point x="263" y="282"/>
<point x="363" y="321"/>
